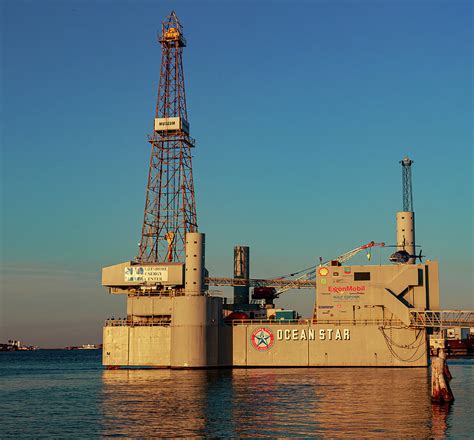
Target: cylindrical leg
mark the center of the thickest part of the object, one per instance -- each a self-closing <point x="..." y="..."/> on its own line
<point x="406" y="233"/>
<point x="189" y="332"/>
<point x="194" y="276"/>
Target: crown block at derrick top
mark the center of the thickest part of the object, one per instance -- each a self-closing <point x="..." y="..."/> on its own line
<point x="130" y="273"/>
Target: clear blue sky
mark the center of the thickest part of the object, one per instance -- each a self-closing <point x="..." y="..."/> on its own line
<point x="301" y="111"/>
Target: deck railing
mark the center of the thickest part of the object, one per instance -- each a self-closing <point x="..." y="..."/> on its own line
<point x="418" y="319"/>
<point x="130" y="323"/>
<point x="338" y="322"/>
<point x="273" y="322"/>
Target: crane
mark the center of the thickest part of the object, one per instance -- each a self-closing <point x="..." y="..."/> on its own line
<point x="284" y="283"/>
<point x="310" y="274"/>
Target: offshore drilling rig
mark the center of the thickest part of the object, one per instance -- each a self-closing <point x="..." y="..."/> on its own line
<point x="158" y="283"/>
<point x="363" y="315"/>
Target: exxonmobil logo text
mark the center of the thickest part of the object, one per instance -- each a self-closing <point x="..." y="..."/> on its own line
<point x="357" y="289"/>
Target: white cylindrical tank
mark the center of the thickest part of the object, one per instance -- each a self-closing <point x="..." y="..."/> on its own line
<point x="195" y="331"/>
<point x="194" y="275"/>
<point x="406" y="233"/>
<point x="189" y="332"/>
<point x="190" y="322"/>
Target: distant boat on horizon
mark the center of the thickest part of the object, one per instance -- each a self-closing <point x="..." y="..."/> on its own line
<point x="88" y="347"/>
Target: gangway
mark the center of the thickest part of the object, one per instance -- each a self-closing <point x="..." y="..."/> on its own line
<point x="441" y="318"/>
<point x="277" y="283"/>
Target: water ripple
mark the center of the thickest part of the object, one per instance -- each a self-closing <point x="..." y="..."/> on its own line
<point x="68" y="395"/>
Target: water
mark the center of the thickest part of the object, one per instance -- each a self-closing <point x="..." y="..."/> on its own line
<point x="67" y="394"/>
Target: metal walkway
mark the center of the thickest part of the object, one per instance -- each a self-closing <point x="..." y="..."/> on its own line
<point x="442" y="318"/>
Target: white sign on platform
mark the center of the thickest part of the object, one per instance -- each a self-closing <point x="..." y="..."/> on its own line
<point x="145" y="274"/>
<point x="171" y="124"/>
<point x="166" y="124"/>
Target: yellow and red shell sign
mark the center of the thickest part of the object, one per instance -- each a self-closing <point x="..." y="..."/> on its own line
<point x="323" y="271"/>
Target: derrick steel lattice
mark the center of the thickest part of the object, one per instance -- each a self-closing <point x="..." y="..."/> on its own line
<point x="406" y="184"/>
<point x="170" y="208"/>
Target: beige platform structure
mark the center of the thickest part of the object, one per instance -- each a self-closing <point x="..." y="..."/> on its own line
<point x="171" y="322"/>
<point x="372" y="315"/>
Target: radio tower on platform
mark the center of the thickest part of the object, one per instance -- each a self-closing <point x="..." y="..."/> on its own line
<point x="406" y="218"/>
<point x="170" y="208"/>
<point x="406" y="183"/>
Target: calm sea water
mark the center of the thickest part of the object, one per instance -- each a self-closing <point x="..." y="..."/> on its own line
<point x="67" y="394"/>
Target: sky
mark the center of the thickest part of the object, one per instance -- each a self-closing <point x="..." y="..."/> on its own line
<point x="301" y="111"/>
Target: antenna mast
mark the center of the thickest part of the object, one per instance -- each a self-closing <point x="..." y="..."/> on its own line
<point x="406" y="218"/>
<point x="406" y="184"/>
<point x="170" y="208"/>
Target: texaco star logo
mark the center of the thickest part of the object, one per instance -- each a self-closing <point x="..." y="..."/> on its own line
<point x="262" y="339"/>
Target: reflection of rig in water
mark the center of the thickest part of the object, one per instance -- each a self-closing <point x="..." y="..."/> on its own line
<point x="363" y="315"/>
<point x="256" y="399"/>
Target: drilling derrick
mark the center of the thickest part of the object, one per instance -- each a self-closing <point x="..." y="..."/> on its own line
<point x="170" y="208"/>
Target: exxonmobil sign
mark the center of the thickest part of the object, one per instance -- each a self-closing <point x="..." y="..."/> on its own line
<point x="354" y="289"/>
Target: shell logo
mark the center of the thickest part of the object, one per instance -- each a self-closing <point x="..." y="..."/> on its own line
<point x="323" y="271"/>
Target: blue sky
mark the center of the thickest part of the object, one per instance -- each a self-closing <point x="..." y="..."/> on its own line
<point x="301" y="111"/>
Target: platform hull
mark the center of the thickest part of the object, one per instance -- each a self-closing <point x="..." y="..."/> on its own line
<point x="141" y="346"/>
<point x="323" y="345"/>
<point x="275" y="345"/>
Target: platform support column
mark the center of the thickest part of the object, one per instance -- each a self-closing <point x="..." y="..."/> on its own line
<point x="406" y="233"/>
<point x="190" y="311"/>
